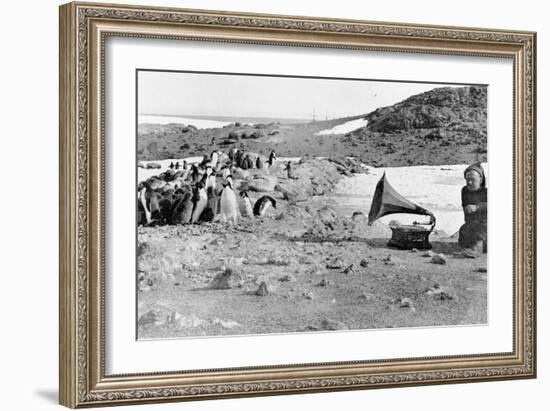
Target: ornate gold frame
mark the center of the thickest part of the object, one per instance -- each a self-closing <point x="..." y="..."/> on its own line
<point x="83" y="30"/>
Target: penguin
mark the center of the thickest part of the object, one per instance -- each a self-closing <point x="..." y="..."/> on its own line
<point x="238" y="157"/>
<point x="249" y="162"/>
<point x="244" y="162"/>
<point x="272" y="158"/>
<point x="199" y="202"/>
<point x="259" y="163"/>
<point x="177" y="165"/>
<point x="213" y="159"/>
<point x="171" y="165"/>
<point x="209" y="178"/>
<point x="194" y="174"/>
<point x="183" y="210"/>
<point x="263" y="204"/>
<point x="245" y="204"/>
<point x="290" y="173"/>
<point x="143" y="201"/>
<point x="211" y="209"/>
<point x="166" y="204"/>
<point x="225" y="172"/>
<point x="186" y="165"/>
<point x="228" y="203"/>
<point x="231" y="154"/>
<point x="154" y="183"/>
<point x="205" y="160"/>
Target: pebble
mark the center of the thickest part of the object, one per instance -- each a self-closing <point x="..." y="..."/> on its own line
<point x="364" y="263"/>
<point x="308" y="295"/>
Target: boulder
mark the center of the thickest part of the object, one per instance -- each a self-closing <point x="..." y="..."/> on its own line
<point x="150" y="317"/>
<point x="262" y="184"/>
<point x="227" y="279"/>
<point x="287" y="278"/>
<point x="439" y="259"/>
<point x="262" y="290"/>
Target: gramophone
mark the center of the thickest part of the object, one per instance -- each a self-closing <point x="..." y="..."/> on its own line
<point x="388" y="201"/>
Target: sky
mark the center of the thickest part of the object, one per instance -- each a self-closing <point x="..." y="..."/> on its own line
<point x="180" y="93"/>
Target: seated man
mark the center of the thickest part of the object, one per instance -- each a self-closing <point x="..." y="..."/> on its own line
<point x="473" y="234"/>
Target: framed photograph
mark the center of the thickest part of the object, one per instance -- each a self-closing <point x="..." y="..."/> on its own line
<point x="261" y="204"/>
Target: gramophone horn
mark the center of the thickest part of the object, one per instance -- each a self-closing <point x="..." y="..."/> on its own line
<point x="388" y="201"/>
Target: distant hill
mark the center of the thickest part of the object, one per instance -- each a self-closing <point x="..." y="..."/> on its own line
<point x="445" y="125"/>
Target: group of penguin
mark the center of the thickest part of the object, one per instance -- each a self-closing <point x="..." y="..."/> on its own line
<point x="192" y="193"/>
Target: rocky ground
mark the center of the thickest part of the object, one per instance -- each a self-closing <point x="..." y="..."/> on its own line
<point x="300" y="268"/>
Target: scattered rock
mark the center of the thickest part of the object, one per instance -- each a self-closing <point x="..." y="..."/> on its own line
<point x="390" y="260"/>
<point x="227" y="279"/>
<point x="287" y="278"/>
<point x="367" y="296"/>
<point x="348" y="269"/>
<point x="439" y="293"/>
<point x="434" y="289"/>
<point x="330" y="324"/>
<point x="228" y="324"/>
<point x="323" y="283"/>
<point x="444" y="296"/>
<point x="364" y="263"/>
<point x="182" y="321"/>
<point x="150" y="317"/>
<point x="308" y="295"/>
<point x="359" y="217"/>
<point x="313" y="270"/>
<point x="406" y="303"/>
<point x="327" y="215"/>
<point x="262" y="290"/>
<point x="263" y="184"/>
<point x="439" y="259"/>
<point x="335" y="264"/>
<point x="235" y="261"/>
<point x="414" y="250"/>
<point x="481" y="270"/>
<point x="428" y="253"/>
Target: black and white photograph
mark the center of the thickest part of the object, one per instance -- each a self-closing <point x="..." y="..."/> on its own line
<point x="284" y="204"/>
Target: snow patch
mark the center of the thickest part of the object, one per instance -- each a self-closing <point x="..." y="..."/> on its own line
<point x="344" y="127"/>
